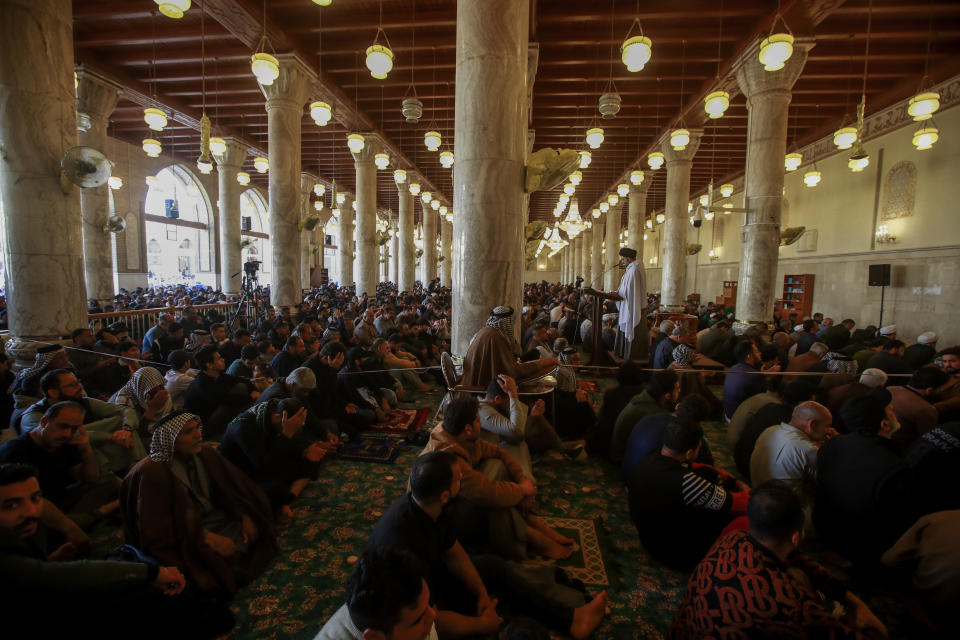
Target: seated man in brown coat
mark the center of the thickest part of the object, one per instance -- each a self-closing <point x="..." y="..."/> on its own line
<point x="494" y="489"/>
<point x="189" y="507"/>
<point x="494" y="351"/>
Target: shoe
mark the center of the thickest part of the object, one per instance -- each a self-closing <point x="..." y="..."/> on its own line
<point x="577" y="454"/>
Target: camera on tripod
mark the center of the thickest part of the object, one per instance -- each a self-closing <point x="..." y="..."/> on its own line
<point x="250" y="268"/>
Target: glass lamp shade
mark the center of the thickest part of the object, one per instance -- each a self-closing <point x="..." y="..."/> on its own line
<point x="432" y="140"/>
<point x="152" y="147"/>
<point x="575" y="178"/>
<point x="636" y="177"/>
<point x="379" y="61"/>
<point x="261" y="164"/>
<point x="448" y="217"/>
<point x="265" y="67"/>
<point x="435" y="205"/>
<point x="322" y="3"/>
<point x="649" y="225"/>
<point x="443" y="210"/>
<point x="340" y="198"/>
<point x="204" y="166"/>
<point x="604" y="207"/>
<point x="321" y="113"/>
<point x="679" y="139"/>
<point x="414" y="188"/>
<point x="218" y="146"/>
<point x="623" y="190"/>
<point x="812" y="178"/>
<point x="382" y="161"/>
<point x="155" y="119"/>
<point x="152" y="181"/>
<point x="426" y="197"/>
<point x="792" y="161"/>
<point x="844" y="137"/>
<point x="243" y="177"/>
<point x="318" y="205"/>
<point x="319" y="189"/>
<point x="115" y="182"/>
<point x="858" y="162"/>
<point x="655" y="160"/>
<point x="727" y="206"/>
<point x="595" y="137"/>
<point x="726" y="190"/>
<point x="355" y="142"/>
<point x="923" y="105"/>
<point x="173" y="8"/>
<point x="595" y="213"/>
<point x="399" y="176"/>
<point x="661" y="218"/>
<point x="775" y="51"/>
<point x="635" y="52"/>
<point x="585" y="158"/>
<point x="569" y="189"/>
<point x="446" y="159"/>
<point x="704" y="200"/>
<point x="708" y="215"/>
<point x="716" y="103"/>
<point x="925" y="138"/>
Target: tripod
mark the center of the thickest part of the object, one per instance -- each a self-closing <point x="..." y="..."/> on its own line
<point x="245" y="304"/>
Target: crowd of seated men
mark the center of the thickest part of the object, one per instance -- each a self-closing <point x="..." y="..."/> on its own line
<point x="199" y="438"/>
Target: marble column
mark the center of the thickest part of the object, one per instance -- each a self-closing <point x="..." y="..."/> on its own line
<point x="577" y="246"/>
<point x="428" y="261"/>
<point x="96" y="98"/>
<point x="368" y="252"/>
<point x="563" y="266"/>
<point x="490" y="138"/>
<point x="231" y="261"/>
<point x="611" y="277"/>
<point x="394" y="252"/>
<point x="285" y="100"/>
<point x="345" y="242"/>
<point x="675" y="227"/>
<point x="306" y="235"/>
<point x="636" y="214"/>
<point x="446" y="245"/>
<point x="585" y="263"/>
<point x="45" y="289"/>
<point x="596" y="255"/>
<point x="768" y="100"/>
<point x="406" y="251"/>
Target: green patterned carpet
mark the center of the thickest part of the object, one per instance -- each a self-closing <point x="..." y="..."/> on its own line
<point x="334" y="516"/>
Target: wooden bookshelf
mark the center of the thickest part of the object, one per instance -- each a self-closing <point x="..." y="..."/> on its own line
<point x="729" y="297"/>
<point x="798" y="295"/>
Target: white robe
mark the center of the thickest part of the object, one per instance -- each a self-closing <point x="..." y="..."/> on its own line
<point x="633" y="290"/>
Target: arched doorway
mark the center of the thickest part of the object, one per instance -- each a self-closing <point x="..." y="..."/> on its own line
<point x="178" y="230"/>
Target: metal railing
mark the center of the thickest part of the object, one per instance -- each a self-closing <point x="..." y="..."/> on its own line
<point x="139" y="321"/>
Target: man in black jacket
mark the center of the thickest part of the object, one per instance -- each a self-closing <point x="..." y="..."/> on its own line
<point x="215" y="396"/>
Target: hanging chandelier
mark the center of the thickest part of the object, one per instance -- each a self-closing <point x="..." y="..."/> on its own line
<point x="635" y="51"/>
<point x="655" y="160"/>
<point x="923" y="105"/>
<point x="155" y="118"/>
<point x="594" y="137"/>
<point x="925" y="138"/>
<point x="636" y="177"/>
<point x="381" y="160"/>
<point x="844" y="137"/>
<point x="218" y="146"/>
<point x="321" y="113"/>
<point x="792" y="161"/>
<point x="716" y="104"/>
<point x="261" y="164"/>
<point x="355" y="142"/>
<point x="679" y="139"/>
<point x="152" y="147"/>
<point x="811" y="178"/>
<point x="399" y="176"/>
<point x="555" y="240"/>
<point x="243" y="177"/>
<point x="446" y="159"/>
<point x="573" y="224"/>
<point x="379" y="57"/>
<point x="432" y="139"/>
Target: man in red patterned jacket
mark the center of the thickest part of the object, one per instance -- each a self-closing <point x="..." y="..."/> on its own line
<point x="748" y="584"/>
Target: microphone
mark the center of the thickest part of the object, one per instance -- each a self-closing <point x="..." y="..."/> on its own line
<point x="592" y="282"/>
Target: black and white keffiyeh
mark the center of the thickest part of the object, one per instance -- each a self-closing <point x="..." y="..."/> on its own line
<point x="501" y="319"/>
<point x="142" y="382"/>
<point x="165" y="435"/>
<point x="41" y="361"/>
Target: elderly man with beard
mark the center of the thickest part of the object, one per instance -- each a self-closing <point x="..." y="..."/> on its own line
<point x="494" y="351"/>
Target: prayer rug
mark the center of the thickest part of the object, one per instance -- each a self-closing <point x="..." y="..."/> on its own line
<point x="402" y="421"/>
<point x="586" y="563"/>
<point x="374" y="447"/>
<point x="588" y="385"/>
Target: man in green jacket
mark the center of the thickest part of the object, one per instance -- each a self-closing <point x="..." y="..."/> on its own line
<point x="660" y="396"/>
<point x="108" y="599"/>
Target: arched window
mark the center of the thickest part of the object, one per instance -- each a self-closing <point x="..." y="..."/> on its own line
<point x="179" y="224"/>
<point x="255" y="240"/>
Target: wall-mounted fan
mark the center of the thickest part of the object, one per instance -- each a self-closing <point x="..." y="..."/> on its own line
<point x="85" y="167"/>
<point x="115" y="224"/>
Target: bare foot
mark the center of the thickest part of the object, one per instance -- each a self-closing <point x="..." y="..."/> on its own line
<point x="588" y="617"/>
<point x="284" y="515"/>
<point x="107" y="509"/>
<point x="556" y="551"/>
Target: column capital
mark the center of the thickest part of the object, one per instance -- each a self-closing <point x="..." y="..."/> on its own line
<point x="684" y="155"/>
<point x="372" y="145"/>
<point x="307" y="180"/>
<point x="640" y="189"/>
<point x="232" y="157"/>
<point x="97" y="95"/>
<point x="294" y="82"/>
<point x="754" y="80"/>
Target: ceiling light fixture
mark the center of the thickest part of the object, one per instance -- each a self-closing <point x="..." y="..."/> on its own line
<point x="679" y="139"/>
<point x="594" y="137"/>
<point x="726" y="190"/>
<point x="575" y="178"/>
<point x="155" y="118"/>
<point x="636" y="50"/>
<point x="152" y="147"/>
<point x="446" y="159"/>
<point x="432" y="139"/>
<point x="636" y="177"/>
<point x="811" y="178"/>
<point x="243" y="177"/>
<point x="414" y="188"/>
<point x="173" y="8"/>
<point x="655" y="160"/>
<point x="355" y="142"/>
<point x="426" y="197"/>
<point x="261" y="164"/>
<point x="264" y="65"/>
<point x="585" y="158"/>
<point x="716" y="103"/>
<point x="381" y="160"/>
<point x="319" y="189"/>
<point x="218" y="146"/>
<point x="321" y="113"/>
<point x="623" y="190"/>
<point x="792" y="161"/>
<point x="399" y="176"/>
<point x="925" y="138"/>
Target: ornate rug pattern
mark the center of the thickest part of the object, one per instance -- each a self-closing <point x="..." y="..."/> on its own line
<point x="586" y="563"/>
<point x="402" y="421"/>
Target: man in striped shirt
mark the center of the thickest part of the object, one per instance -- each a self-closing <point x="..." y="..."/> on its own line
<point x="680" y="507"/>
